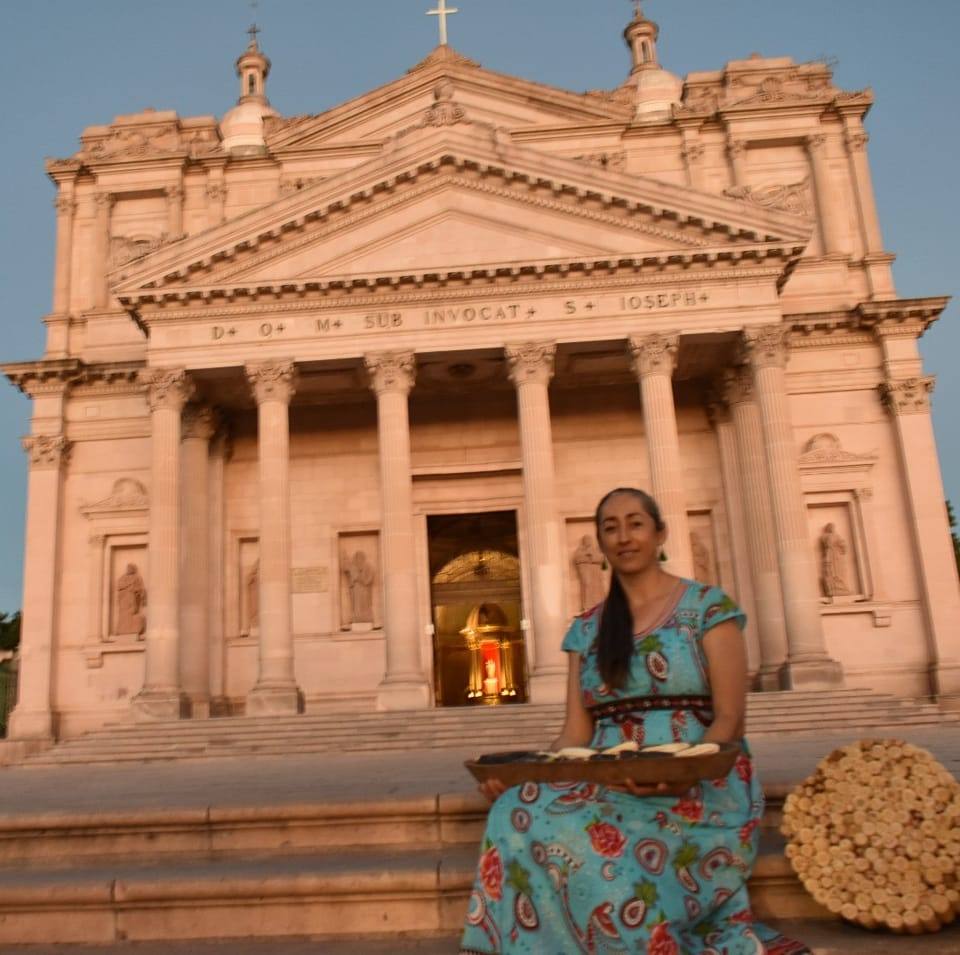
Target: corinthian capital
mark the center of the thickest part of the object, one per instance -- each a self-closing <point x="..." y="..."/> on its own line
<point x="168" y="388"/>
<point x="104" y="201"/>
<point x="65" y="205"/>
<point x="653" y="354"/>
<point x="199" y="421"/>
<point x="857" y="141"/>
<point x="907" y="395"/>
<point x="272" y="380"/>
<point x="767" y="345"/>
<point x="46" y="451"/>
<point x="393" y="371"/>
<point x="736" y="385"/>
<point x="816" y="143"/>
<point x="531" y="362"/>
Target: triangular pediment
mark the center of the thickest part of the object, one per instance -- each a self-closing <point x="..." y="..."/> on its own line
<point x="458" y="197"/>
<point x="491" y="97"/>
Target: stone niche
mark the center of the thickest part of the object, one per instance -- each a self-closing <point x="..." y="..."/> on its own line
<point x="837" y="544"/>
<point x="247" y="583"/>
<point x="360" y="586"/>
<point x="588" y="577"/>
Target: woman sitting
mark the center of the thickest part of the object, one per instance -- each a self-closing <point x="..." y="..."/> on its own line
<point x="579" y="867"/>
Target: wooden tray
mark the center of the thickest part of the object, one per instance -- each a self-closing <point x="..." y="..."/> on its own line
<point x="516" y="768"/>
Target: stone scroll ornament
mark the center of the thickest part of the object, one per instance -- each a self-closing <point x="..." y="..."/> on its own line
<point x="874" y="836"/>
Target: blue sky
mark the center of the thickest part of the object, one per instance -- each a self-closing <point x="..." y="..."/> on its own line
<point x="72" y="64"/>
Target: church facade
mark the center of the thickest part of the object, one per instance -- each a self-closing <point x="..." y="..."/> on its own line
<point x="327" y="402"/>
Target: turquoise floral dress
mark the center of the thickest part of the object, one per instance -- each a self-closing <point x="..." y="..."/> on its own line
<point x="575" y="867"/>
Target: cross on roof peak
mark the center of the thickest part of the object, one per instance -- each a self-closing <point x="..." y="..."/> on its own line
<point x="442" y="12"/>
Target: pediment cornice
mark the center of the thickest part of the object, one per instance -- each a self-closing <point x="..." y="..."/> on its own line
<point x="681" y="220"/>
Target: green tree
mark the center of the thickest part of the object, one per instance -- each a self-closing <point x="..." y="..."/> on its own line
<point x="952" y="518"/>
<point x="9" y="630"/>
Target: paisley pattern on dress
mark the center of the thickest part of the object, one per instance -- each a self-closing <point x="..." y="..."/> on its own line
<point x="577" y="868"/>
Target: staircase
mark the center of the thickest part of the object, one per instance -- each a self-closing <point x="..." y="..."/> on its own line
<point x="487" y="728"/>
<point x="365" y="869"/>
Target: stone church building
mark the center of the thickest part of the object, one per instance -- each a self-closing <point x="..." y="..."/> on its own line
<point x="327" y="401"/>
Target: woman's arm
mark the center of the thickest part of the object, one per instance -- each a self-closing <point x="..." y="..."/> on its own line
<point x="578" y="725"/>
<point x="727" y="669"/>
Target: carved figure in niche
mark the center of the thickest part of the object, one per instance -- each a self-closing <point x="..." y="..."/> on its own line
<point x="359" y="574"/>
<point x="588" y="562"/>
<point x="833" y="550"/>
<point x="252" y="588"/>
<point x="490" y="684"/>
<point x="701" y="559"/>
<point x="131" y="599"/>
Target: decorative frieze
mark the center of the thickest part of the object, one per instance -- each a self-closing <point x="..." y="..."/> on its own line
<point x="907" y="395"/>
<point x="168" y="388"/>
<point x="393" y="371"/>
<point x="531" y="362"/>
<point x="793" y="197"/>
<point x="272" y="380"/>
<point x="654" y="354"/>
<point x="46" y="451"/>
<point x="767" y="345"/>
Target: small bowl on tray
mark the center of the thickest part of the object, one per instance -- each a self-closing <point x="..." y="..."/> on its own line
<point x="513" y="768"/>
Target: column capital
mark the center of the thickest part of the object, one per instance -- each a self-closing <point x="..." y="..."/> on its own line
<point x="856" y="140"/>
<point x="653" y="354"/>
<point x="391" y="371"/>
<point x="816" y="143"/>
<point x="531" y="362"/>
<point x="736" y="385"/>
<point x="174" y="192"/>
<point x="736" y="147"/>
<point x="216" y="191"/>
<point x="717" y="408"/>
<point x="767" y="345"/>
<point x="167" y="388"/>
<point x="692" y="152"/>
<point x="907" y="395"/>
<point x="46" y="451"/>
<point x="199" y="421"/>
<point x="104" y="201"/>
<point x="272" y="380"/>
<point x="65" y="204"/>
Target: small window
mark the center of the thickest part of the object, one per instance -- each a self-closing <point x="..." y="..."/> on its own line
<point x="251" y="84"/>
<point x="645" y="52"/>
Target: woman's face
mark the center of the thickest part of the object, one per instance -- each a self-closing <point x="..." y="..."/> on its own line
<point x="628" y="536"/>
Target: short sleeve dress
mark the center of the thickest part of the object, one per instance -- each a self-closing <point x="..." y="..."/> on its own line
<point x="575" y="867"/>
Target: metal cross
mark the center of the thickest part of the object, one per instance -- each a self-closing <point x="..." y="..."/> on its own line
<point x="442" y="12"/>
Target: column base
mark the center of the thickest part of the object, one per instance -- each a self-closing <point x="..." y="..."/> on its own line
<point x="548" y="687"/>
<point x="821" y="673"/>
<point x="770" y="679"/>
<point x="403" y="695"/>
<point x="945" y="680"/>
<point x="150" y="705"/>
<point x="284" y="700"/>
<point x="199" y="708"/>
<point x="30" y="725"/>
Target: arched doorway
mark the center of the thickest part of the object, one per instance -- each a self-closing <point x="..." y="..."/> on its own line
<point x="478" y="651"/>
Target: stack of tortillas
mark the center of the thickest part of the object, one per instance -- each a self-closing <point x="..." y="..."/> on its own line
<point x="874" y="835"/>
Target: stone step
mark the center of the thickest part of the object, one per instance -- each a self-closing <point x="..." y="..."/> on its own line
<point x="344" y="893"/>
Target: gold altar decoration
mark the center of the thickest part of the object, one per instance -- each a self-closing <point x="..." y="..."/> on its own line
<point x="489" y="638"/>
<point x="874" y="836"/>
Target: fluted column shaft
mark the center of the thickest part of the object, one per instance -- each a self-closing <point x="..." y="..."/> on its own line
<point x="33" y="716"/>
<point x="198" y="426"/>
<point x="654" y="359"/>
<point x="404" y="685"/>
<point x="66" y="206"/>
<point x="275" y="691"/>
<point x="908" y="402"/>
<point x="174" y="212"/>
<point x="104" y="203"/>
<point x="531" y="369"/>
<point x="856" y="140"/>
<point x="808" y="664"/>
<point x="829" y="204"/>
<point x="168" y="390"/>
<point x="758" y="519"/>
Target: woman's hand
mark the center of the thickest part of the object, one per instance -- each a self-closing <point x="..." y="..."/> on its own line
<point x="493" y="789"/>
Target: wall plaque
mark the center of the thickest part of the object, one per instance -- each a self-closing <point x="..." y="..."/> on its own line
<point x="310" y="580"/>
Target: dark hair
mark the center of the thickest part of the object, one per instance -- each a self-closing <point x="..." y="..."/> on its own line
<point x="615" y="635"/>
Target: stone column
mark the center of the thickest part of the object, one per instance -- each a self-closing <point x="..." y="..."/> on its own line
<point x="404" y="685"/>
<point x="758" y="520"/>
<point x="908" y="402"/>
<point x="808" y="666"/>
<point x="216" y="197"/>
<point x="66" y="206"/>
<point x="737" y="151"/>
<point x="199" y="424"/>
<point x="219" y="455"/>
<point x="531" y="369"/>
<point x="653" y="360"/>
<point x="104" y="203"/>
<point x="174" y="196"/>
<point x="276" y="690"/>
<point x="32" y="719"/>
<point x="169" y="389"/>
<point x="692" y="152"/>
<point x="829" y="204"/>
<point x="856" y="140"/>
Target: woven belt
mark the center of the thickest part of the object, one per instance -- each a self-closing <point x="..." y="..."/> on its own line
<point x="644" y="704"/>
